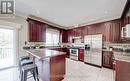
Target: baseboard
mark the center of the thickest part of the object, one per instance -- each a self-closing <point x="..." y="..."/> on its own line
<point x="93" y="65"/>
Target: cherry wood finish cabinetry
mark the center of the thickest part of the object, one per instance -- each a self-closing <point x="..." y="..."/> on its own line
<point x="107" y="59"/>
<point x="64" y="36"/>
<point x="113" y="31"/>
<point x="122" y="71"/>
<point x="67" y="52"/>
<point x="57" y="68"/>
<point x="37" y="31"/>
<point x="81" y="54"/>
<point x="70" y="36"/>
<point x="125" y="21"/>
<point x="51" y="69"/>
<point x="110" y="30"/>
<point x="63" y="50"/>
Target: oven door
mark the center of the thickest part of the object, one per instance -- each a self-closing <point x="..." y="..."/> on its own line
<point x="74" y="52"/>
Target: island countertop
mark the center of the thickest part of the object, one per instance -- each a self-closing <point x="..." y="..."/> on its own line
<point x="44" y="53"/>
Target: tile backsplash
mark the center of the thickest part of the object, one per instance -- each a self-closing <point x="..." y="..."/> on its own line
<point x="117" y="45"/>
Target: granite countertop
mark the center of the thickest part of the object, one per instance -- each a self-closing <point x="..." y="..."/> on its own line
<point x="122" y="56"/>
<point x="49" y="47"/>
<point x="44" y="53"/>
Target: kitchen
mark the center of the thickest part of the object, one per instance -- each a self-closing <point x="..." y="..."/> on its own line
<point x="94" y="51"/>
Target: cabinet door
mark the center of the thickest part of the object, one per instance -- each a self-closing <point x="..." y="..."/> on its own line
<point x="91" y="30"/>
<point x="113" y="31"/>
<point x="122" y="71"/>
<point x="37" y="31"/>
<point x="64" y="35"/>
<point x="107" y="59"/>
<point x="67" y="52"/>
<point x="32" y="31"/>
<point x="81" y="54"/>
<point x="70" y="36"/>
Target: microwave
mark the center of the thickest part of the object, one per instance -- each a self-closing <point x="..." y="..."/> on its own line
<point x="126" y="31"/>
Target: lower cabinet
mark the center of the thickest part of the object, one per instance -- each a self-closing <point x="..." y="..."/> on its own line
<point x="81" y="54"/>
<point x="122" y="71"/>
<point x="107" y="59"/>
<point x="67" y="52"/>
<point x="63" y="50"/>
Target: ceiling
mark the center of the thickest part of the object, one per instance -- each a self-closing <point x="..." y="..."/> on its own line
<point x="70" y="13"/>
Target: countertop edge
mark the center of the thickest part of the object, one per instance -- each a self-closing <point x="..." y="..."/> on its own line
<point x="41" y="58"/>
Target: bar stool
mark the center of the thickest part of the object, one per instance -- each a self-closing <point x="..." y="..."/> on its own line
<point x="25" y="60"/>
<point x="29" y="68"/>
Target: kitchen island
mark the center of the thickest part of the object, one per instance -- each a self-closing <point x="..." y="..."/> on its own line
<point x="122" y="66"/>
<point x="50" y="63"/>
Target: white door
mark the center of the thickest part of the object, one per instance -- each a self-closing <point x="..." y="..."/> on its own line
<point x="6" y="48"/>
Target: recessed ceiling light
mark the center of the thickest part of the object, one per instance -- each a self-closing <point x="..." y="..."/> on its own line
<point x="37" y="12"/>
<point x="106" y="12"/>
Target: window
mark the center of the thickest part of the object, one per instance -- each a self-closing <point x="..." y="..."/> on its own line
<point x="52" y="37"/>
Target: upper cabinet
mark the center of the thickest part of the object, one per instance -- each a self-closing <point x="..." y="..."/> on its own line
<point x="64" y="36"/>
<point x="111" y="31"/>
<point x="37" y="31"/>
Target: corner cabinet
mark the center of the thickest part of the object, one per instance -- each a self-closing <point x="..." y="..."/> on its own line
<point x="37" y="31"/>
<point x="107" y="59"/>
<point x="122" y="71"/>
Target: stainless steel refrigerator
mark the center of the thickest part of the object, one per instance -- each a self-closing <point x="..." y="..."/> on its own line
<point x="93" y="49"/>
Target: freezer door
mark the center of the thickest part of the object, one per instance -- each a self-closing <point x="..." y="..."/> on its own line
<point x="87" y="39"/>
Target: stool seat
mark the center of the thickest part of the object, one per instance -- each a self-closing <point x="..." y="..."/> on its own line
<point x="24" y="58"/>
<point x="29" y="67"/>
<point x="26" y="62"/>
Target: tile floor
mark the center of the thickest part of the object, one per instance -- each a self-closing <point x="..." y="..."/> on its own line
<point x="75" y="71"/>
<point x="78" y="71"/>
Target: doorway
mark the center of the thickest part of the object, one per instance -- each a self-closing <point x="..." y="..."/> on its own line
<point x="7" y="54"/>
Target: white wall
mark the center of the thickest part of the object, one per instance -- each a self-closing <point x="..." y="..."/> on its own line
<point x="23" y="32"/>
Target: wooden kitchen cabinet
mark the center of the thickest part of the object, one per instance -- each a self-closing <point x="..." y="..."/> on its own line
<point x="113" y="31"/>
<point x="63" y="50"/>
<point x="122" y="69"/>
<point x="70" y="36"/>
<point x="68" y="52"/>
<point x="64" y="36"/>
<point x="37" y="31"/>
<point x="81" y="54"/>
<point x="107" y="59"/>
<point x="52" y="68"/>
<point x="91" y="30"/>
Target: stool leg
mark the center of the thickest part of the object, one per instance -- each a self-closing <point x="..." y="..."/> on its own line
<point x="36" y="73"/>
<point x="21" y="77"/>
<point x="33" y="72"/>
<point x="25" y="76"/>
<point x="20" y="71"/>
<point x="37" y="70"/>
